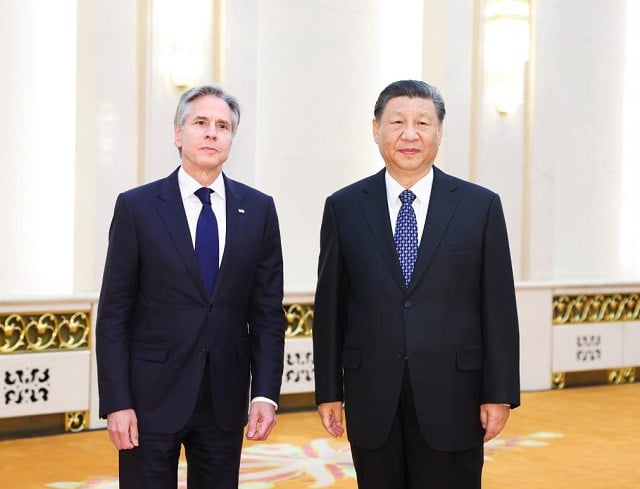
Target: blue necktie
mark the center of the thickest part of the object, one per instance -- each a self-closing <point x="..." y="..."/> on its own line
<point x="406" y="236"/>
<point x="207" y="246"/>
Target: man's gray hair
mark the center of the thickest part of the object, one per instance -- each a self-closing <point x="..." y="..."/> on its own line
<point x="411" y="89"/>
<point x="184" y="104"/>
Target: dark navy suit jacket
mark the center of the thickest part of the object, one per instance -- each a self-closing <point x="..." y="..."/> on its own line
<point x="454" y="327"/>
<point x="156" y="326"/>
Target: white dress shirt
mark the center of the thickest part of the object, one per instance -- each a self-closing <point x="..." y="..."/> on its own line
<point x="192" y="206"/>
<point x="422" y="191"/>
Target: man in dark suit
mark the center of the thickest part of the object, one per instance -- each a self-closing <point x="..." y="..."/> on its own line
<point x="415" y="327"/>
<point x="190" y="317"/>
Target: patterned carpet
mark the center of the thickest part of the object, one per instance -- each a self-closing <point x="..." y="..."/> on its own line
<point x="581" y="438"/>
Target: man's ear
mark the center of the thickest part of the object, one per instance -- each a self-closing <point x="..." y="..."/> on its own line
<point x="376" y="129"/>
<point x="178" y="135"/>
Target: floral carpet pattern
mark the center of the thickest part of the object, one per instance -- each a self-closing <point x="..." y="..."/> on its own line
<point x="320" y="463"/>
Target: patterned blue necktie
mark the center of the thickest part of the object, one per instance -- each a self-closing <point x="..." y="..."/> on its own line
<point x="406" y="237"/>
<point x="207" y="246"/>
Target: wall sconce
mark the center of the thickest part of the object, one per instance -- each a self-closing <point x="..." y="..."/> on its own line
<point x="185" y="67"/>
<point x="185" y="49"/>
<point x="506" y="51"/>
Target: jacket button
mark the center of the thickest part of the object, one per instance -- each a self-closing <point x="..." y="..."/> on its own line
<point x="408" y="303"/>
<point x="401" y="355"/>
<point x="210" y="307"/>
<point x="203" y="352"/>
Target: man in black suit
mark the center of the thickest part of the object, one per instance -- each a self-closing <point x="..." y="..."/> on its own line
<point x="190" y="317"/>
<point x="415" y="326"/>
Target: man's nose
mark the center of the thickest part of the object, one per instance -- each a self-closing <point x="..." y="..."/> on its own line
<point x="212" y="132"/>
<point x="410" y="132"/>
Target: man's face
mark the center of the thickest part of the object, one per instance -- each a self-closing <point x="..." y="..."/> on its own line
<point x="408" y="136"/>
<point x="206" y="135"/>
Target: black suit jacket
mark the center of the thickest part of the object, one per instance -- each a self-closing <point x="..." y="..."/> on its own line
<point x="156" y="326"/>
<point x="454" y="327"/>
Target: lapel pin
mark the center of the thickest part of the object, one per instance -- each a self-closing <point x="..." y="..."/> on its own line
<point x="241" y="211"/>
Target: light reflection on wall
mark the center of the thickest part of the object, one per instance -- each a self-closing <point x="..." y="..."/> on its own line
<point x="400" y="40"/>
<point x="506" y="52"/>
<point x="38" y="59"/>
<point x="630" y="175"/>
<point x="186" y="40"/>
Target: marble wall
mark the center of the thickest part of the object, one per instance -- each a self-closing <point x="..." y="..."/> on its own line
<point x="307" y="74"/>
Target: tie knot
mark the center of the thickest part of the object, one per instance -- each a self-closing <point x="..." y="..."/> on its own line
<point x="204" y="194"/>
<point x="407" y="197"/>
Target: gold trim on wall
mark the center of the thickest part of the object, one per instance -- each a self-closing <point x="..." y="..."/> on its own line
<point x="299" y="320"/>
<point x="622" y="375"/>
<point x="595" y="308"/>
<point x="76" y="421"/>
<point x="219" y="36"/>
<point x="37" y="332"/>
<point x="625" y="375"/>
<point x="558" y="380"/>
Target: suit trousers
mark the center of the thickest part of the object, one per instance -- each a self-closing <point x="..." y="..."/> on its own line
<point x="213" y="455"/>
<point x="406" y="462"/>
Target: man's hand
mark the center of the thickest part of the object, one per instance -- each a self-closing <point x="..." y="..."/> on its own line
<point x="262" y="419"/>
<point x="493" y="418"/>
<point x="123" y="429"/>
<point x="331" y="416"/>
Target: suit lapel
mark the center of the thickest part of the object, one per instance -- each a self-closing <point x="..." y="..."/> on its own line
<point x="442" y="204"/>
<point x="376" y="212"/>
<point x="172" y="213"/>
<point x="236" y="219"/>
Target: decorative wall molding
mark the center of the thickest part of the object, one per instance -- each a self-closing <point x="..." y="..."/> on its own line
<point x="595" y="308"/>
<point x="47" y="331"/>
<point x="298" y="374"/>
<point x="50" y="382"/>
<point x="623" y="375"/>
<point x="299" y="320"/>
<point x="75" y="422"/>
<point x="45" y="358"/>
<point x="595" y="338"/>
<point x="592" y="337"/>
<point x="26" y="386"/>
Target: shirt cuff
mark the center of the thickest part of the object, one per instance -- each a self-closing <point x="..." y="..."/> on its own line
<point x="265" y="399"/>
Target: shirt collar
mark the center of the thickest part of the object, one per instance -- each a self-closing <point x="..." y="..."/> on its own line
<point x="421" y="189"/>
<point x="188" y="185"/>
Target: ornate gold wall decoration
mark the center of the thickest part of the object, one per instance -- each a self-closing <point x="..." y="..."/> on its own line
<point x="299" y="319"/>
<point x="629" y="374"/>
<point x="44" y="331"/>
<point x="615" y="376"/>
<point x="595" y="308"/>
<point x="558" y="380"/>
<point x="75" y="422"/>
<point x="622" y="375"/>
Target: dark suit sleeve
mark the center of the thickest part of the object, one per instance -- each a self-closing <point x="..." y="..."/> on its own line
<point x="266" y="316"/>
<point x="117" y="297"/>
<point x="499" y="314"/>
<point x="329" y="315"/>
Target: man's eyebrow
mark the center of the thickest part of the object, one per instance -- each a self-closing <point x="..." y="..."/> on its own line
<point x="207" y="119"/>
<point x="402" y="113"/>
